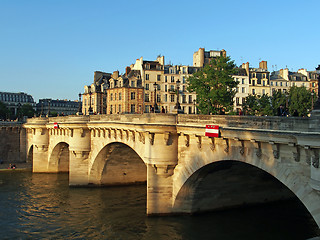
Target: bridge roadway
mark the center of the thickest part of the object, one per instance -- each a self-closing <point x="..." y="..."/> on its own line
<point x="254" y="160"/>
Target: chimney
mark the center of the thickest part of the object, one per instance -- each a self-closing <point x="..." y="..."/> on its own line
<point x="263" y="65"/>
<point x="128" y="70"/>
<point x="115" y="74"/>
<point x="284" y="73"/>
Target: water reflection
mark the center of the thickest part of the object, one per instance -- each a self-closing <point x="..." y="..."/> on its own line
<point x="43" y="206"/>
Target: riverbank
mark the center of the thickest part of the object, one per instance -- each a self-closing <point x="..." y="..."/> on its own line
<point x="20" y="166"/>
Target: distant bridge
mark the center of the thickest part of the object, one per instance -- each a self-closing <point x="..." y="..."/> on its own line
<point x="254" y="160"/>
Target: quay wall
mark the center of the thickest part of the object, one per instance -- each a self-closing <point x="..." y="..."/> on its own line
<point x="12" y="142"/>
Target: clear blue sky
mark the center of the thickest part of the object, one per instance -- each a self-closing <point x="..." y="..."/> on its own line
<point x="51" y="48"/>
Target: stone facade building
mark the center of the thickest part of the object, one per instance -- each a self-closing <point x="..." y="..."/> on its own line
<point x="59" y="107"/>
<point x="15" y="100"/>
<point x="164" y="86"/>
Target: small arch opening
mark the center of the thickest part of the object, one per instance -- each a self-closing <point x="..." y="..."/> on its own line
<point x="118" y="164"/>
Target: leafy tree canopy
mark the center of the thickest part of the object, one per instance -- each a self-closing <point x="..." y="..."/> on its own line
<point x="214" y="86"/>
<point x="4" y="111"/>
<point x="26" y="110"/>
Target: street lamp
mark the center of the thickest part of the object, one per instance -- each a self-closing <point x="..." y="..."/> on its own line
<point x="90" y="108"/>
<point x="79" y="110"/>
<point x="155" y="85"/>
<point x="19" y="111"/>
<point x="178" y="107"/>
<point x="48" y="113"/>
<point x="317" y="103"/>
<point x="194" y="106"/>
<point x="312" y="93"/>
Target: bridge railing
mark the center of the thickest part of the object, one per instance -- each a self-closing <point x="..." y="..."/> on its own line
<point x="263" y="122"/>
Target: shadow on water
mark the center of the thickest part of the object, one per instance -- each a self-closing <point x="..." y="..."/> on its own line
<point x="42" y="206"/>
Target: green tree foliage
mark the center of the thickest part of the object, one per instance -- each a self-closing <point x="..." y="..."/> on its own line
<point x="300" y="101"/>
<point x="214" y="86"/>
<point x="279" y="99"/>
<point x="4" y="111"/>
<point x="258" y="105"/>
<point x="26" y="110"/>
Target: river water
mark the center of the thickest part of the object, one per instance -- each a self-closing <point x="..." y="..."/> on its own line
<point x="43" y="206"/>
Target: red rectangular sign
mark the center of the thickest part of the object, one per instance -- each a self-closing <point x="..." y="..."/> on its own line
<point x="55" y="125"/>
<point x="212" y="131"/>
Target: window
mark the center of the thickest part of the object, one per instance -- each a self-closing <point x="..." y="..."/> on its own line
<point x="172" y="98"/>
<point x="281" y="84"/>
<point x="147" y="76"/>
<point x="133" y="84"/>
<point x="184" y="99"/>
<point x="263" y="83"/>
<point x="165" y="79"/>
<point x="243" y="90"/>
<point x="133" y="108"/>
<point x="115" y="96"/>
<point x="133" y="95"/>
<point x="253" y="91"/>
<point x="147" y="66"/>
<point x="119" y="96"/>
<point x="172" y="87"/>
<point x="165" y="88"/>
<point x="172" y="78"/>
<point x="183" y="79"/>
<point x="146" y="97"/>
<point x="242" y="81"/>
<point x="190" y="98"/>
<point x="253" y="82"/>
<point x="158" y="87"/>
<point x="263" y="91"/>
<point x="165" y="98"/>
<point x="158" y="77"/>
<point x="276" y="83"/>
<point x="237" y="101"/>
<point x="119" y="108"/>
<point x="110" y="109"/>
<point x="158" y="98"/>
<point x="147" y="86"/>
<point x="111" y="97"/>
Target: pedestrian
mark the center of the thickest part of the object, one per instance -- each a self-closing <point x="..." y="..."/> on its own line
<point x="163" y="110"/>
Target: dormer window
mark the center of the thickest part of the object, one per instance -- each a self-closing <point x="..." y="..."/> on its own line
<point x="147" y="66"/>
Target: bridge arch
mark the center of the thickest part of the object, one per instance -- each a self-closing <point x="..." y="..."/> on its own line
<point x="231" y="183"/>
<point x="30" y="154"/>
<point x="116" y="164"/>
<point x="59" y="158"/>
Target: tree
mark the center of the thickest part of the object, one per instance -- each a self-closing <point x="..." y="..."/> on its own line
<point x="258" y="105"/>
<point x="300" y="101"/>
<point x="214" y="86"/>
<point x="26" y="110"/>
<point x="278" y="99"/>
<point x="4" y="111"/>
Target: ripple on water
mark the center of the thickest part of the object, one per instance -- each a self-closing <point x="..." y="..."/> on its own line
<point x="42" y="206"/>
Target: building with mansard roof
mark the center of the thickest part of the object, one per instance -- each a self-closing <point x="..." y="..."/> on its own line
<point x="14" y="101"/>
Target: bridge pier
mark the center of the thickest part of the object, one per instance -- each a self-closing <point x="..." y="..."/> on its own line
<point x="40" y="150"/>
<point x="159" y="189"/>
<point x="80" y="146"/>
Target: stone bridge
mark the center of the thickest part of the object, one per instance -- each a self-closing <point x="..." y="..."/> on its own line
<point x="254" y="159"/>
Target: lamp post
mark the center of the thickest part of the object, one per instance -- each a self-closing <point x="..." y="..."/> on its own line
<point x="194" y="106"/>
<point x="79" y="110"/>
<point x="48" y="113"/>
<point x="155" y="85"/>
<point x="90" y="108"/>
<point x="178" y="107"/>
<point x="18" y="112"/>
<point x="312" y="93"/>
<point x="317" y="103"/>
